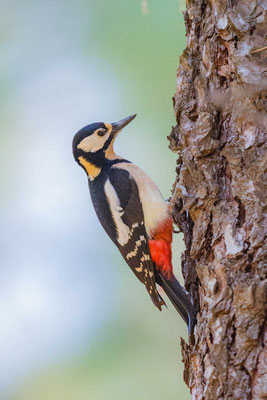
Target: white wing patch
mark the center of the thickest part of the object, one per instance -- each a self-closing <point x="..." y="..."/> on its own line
<point x="123" y="231"/>
<point x="154" y="207"/>
<point x="137" y="245"/>
<point x="145" y="257"/>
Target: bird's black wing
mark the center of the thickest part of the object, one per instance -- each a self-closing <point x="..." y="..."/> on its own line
<point x="136" y="250"/>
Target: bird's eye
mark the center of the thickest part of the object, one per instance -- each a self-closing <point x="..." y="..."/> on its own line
<point x="101" y="132"/>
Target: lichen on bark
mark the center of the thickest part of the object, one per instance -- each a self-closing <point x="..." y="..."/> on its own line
<point x="219" y="195"/>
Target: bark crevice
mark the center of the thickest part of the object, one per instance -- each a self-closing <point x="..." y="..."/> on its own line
<point x="219" y="195"/>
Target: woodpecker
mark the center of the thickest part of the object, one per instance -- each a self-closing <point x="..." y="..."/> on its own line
<point x="133" y="213"/>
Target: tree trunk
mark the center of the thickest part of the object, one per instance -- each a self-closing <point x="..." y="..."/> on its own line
<point x="218" y="197"/>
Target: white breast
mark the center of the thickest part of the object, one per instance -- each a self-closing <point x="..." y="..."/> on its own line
<point x="154" y="207"/>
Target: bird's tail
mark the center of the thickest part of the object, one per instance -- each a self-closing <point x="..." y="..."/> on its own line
<point x="179" y="298"/>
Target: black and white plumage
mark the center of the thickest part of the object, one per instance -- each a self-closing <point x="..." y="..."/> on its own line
<point x="132" y="211"/>
<point x="117" y="204"/>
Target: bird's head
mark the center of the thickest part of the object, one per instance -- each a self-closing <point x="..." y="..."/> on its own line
<point x="93" y="144"/>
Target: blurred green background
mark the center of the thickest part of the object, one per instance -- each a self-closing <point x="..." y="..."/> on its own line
<point x="75" y="322"/>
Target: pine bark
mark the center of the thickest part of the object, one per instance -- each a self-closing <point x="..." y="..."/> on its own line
<point x="219" y="195"/>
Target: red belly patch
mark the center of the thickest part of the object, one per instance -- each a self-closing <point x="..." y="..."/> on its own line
<point x="160" y="248"/>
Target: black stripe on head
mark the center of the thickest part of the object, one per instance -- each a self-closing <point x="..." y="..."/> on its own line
<point x="86" y="131"/>
<point x="108" y="142"/>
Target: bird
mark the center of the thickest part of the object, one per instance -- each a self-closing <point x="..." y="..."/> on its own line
<point x="133" y="212"/>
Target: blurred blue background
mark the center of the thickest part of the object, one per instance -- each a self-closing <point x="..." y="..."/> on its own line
<point x="75" y="322"/>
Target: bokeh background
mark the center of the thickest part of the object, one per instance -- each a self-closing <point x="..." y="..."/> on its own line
<point x="75" y="323"/>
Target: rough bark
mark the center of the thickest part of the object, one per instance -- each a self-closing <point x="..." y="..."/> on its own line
<point x="218" y="197"/>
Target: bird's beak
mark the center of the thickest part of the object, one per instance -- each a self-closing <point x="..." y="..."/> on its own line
<point x="117" y="126"/>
